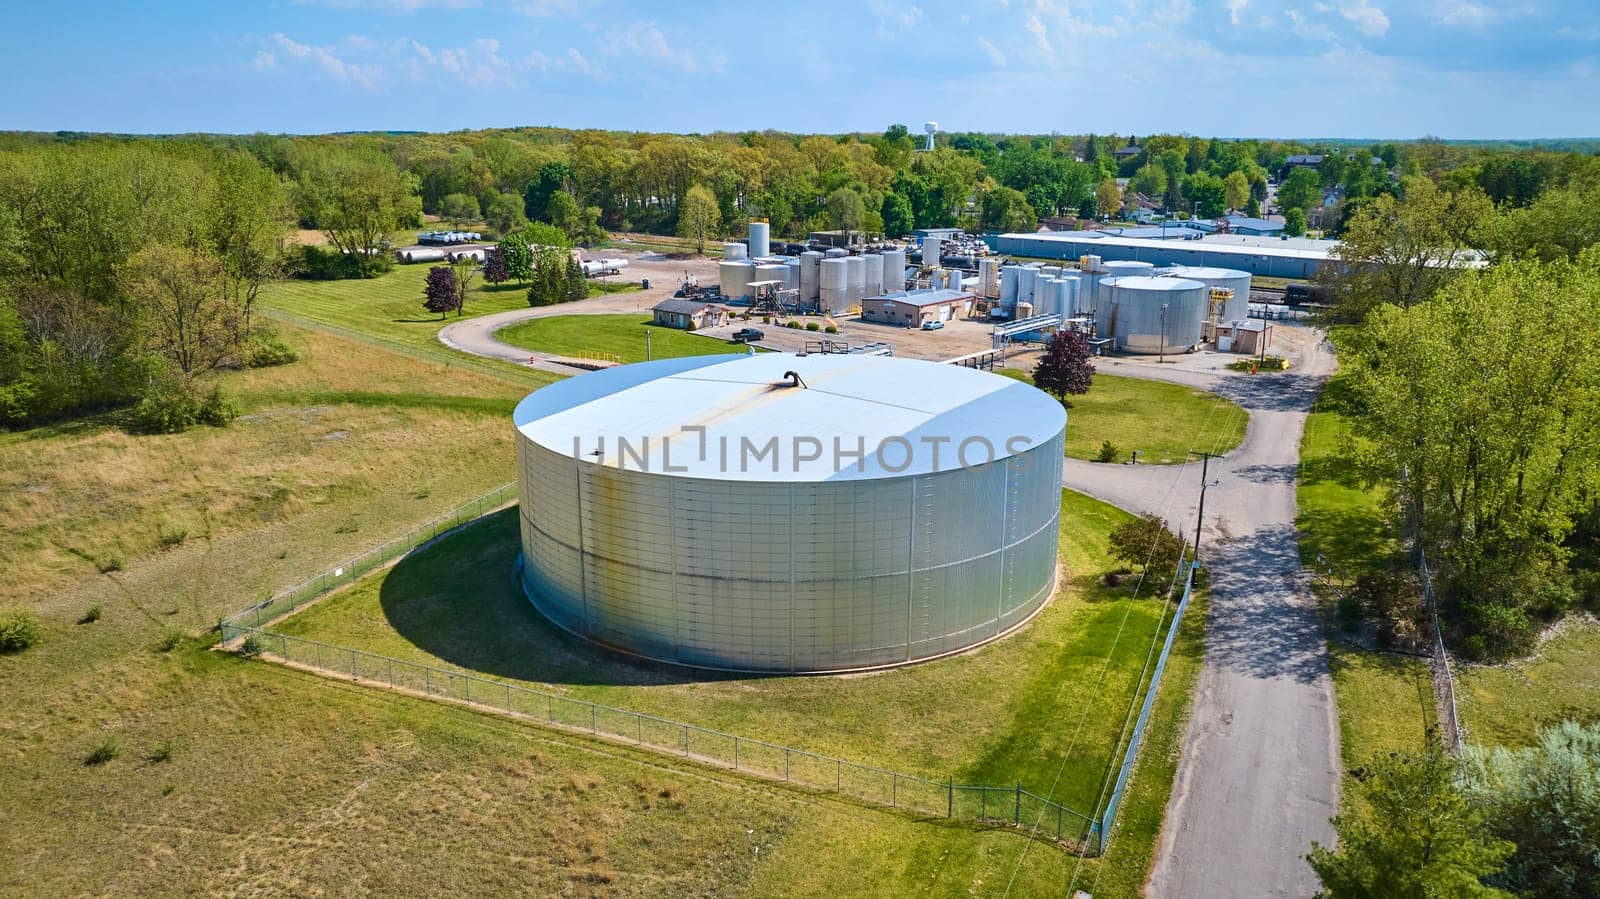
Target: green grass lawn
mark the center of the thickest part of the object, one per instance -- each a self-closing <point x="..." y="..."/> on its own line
<point x="388" y="309"/>
<point x="1161" y="421"/>
<point x="611" y="336"/>
<point x="1508" y="704"/>
<point x="1004" y="714"/>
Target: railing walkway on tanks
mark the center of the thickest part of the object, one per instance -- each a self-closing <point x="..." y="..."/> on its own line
<point x="1014" y="806"/>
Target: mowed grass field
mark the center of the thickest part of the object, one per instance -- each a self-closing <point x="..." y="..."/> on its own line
<point x="1043" y="707"/>
<point x="1158" y="419"/>
<point x="620" y="337"/>
<point x="240" y="777"/>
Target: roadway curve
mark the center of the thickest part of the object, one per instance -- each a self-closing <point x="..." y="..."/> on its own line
<point x="1259" y="776"/>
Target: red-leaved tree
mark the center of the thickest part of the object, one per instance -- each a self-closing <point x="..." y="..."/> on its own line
<point x="1065" y="367"/>
<point x="441" y="293"/>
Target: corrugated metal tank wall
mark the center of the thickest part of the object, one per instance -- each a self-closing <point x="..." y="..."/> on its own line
<point x="1131" y="312"/>
<point x="789" y="577"/>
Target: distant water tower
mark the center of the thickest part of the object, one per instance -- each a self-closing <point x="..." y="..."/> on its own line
<point x="931" y="128"/>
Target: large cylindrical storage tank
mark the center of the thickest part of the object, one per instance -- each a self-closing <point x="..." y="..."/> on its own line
<point x="1135" y="319"/>
<point x="768" y="271"/>
<point x="989" y="277"/>
<point x="1119" y="268"/>
<point x="810" y="270"/>
<point x="834" y="285"/>
<point x="733" y="251"/>
<point x="1238" y="309"/>
<point x="791" y="273"/>
<point x="760" y="244"/>
<point x="1009" y="276"/>
<point x="837" y="253"/>
<point x="873" y="275"/>
<point x="1071" y="283"/>
<point x="734" y="278"/>
<point x="1027" y="276"/>
<point x="855" y="277"/>
<point x="788" y="562"/>
<point x="894" y="269"/>
<point x="931" y="252"/>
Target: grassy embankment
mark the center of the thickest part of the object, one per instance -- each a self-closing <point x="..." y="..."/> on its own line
<point x="1155" y="418"/>
<point x="245" y="777"/>
<point x="619" y="337"/>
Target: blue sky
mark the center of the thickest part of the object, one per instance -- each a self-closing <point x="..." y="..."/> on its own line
<point x="1337" y="68"/>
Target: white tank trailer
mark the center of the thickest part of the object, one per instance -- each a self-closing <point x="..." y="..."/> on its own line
<point x="1144" y="314"/>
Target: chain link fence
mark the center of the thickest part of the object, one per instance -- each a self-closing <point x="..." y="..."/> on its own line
<point x="1013" y="806"/>
<point x="1444" y="678"/>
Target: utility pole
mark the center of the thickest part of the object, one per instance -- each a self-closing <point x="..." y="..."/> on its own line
<point x="1163" y="356"/>
<point x="647" y="344"/>
<point x="1205" y="465"/>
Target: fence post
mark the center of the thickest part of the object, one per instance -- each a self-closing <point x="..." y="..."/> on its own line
<point x="736" y="753"/>
<point x="550" y="707"/>
<point x="319" y="655"/>
<point x="1016" y="817"/>
<point x="894" y="790"/>
<point x="391" y="673"/>
<point x="838" y="776"/>
<point x="509" y="706"/>
<point x="284" y="645"/>
<point x="638" y="730"/>
<point x="686" y="741"/>
<point x="983" y="803"/>
<point x="594" y="719"/>
<point x="950" y="799"/>
<point x="354" y="674"/>
<point x="785" y="763"/>
<point x="427" y="680"/>
<point x="466" y="688"/>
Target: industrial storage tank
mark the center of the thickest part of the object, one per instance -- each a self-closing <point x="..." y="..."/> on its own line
<point x="834" y="287"/>
<point x="1238" y="309"/>
<point x="797" y="561"/>
<point x="1027" y="276"/>
<point x="1118" y="268"/>
<point x="768" y="271"/>
<point x="855" y="278"/>
<point x="931" y="252"/>
<point x="894" y="269"/>
<point x="733" y="251"/>
<point x="791" y="274"/>
<point x="1132" y="313"/>
<point x="760" y="244"/>
<point x="989" y="277"/>
<point x="873" y="286"/>
<point x="734" y="278"/>
<point x="1071" y="283"/>
<point x="810" y="270"/>
<point x="1009" y="276"/>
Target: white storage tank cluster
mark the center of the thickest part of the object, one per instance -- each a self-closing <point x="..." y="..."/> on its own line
<point x="1238" y="308"/>
<point x="931" y="252"/>
<point x="1145" y="314"/>
<point x="873" y="275"/>
<point x="855" y="277"/>
<point x="810" y="277"/>
<point x="769" y="271"/>
<point x="793" y="564"/>
<point x="734" y="277"/>
<point x="733" y="251"/>
<point x="894" y="269"/>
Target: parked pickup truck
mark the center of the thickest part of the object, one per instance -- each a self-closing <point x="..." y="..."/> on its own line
<point x="748" y="335"/>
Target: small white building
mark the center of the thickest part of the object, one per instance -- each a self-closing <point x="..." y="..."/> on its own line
<point x="689" y="315"/>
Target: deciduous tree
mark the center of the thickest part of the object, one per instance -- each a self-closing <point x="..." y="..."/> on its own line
<point x="1065" y="367"/>
<point x="440" y="290"/>
<point x="698" y="216"/>
<point x="1108" y="197"/>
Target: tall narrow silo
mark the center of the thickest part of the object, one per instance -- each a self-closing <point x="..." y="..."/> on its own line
<point x="759" y="239"/>
<point x="873" y="276"/>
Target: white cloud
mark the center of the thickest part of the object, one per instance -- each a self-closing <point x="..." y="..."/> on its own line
<point x="1464" y="13"/>
<point x="1236" y="10"/>
<point x="645" y="41"/>
<point x="894" y="18"/>
<point x="1369" y="20"/>
<point x="571" y="62"/>
<point x="320" y="59"/>
<point x="391" y="6"/>
<point x="993" y="52"/>
<point x="1041" y="34"/>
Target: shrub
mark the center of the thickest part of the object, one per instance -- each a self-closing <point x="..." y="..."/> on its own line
<point x="813" y="326"/>
<point x="693" y="326"/>
<point x="110" y="563"/>
<point x="263" y="349"/>
<point x="171" y="533"/>
<point x="172" y="639"/>
<point x="1507" y="630"/>
<point x="1393" y="600"/>
<point x="167" y="407"/>
<point x="323" y="264"/>
<point x="91" y="615"/>
<point x="19" y="630"/>
<point x="1146" y="541"/>
<point x="161" y="752"/>
<point x="251" y="647"/>
<point x="1108" y="452"/>
<point x="831" y="329"/>
<point x="104" y="751"/>
<point x="1349" y="607"/>
<point x="217" y="410"/>
<point x="792" y="324"/>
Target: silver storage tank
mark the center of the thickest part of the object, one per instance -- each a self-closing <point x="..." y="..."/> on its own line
<point x="1027" y="276"/>
<point x="873" y="286"/>
<point x="1143" y="313"/>
<point x="810" y="269"/>
<point x="834" y="287"/>
<point x="1009" y="276"/>
<point x="1118" y="268"/>
<point x="932" y="253"/>
<point x="760" y="245"/>
<point x="1238" y="309"/>
<point x="894" y="269"/>
<point x="855" y="277"/>
<point x="734" y="278"/>
<point x="734" y="251"/>
<point x="781" y="564"/>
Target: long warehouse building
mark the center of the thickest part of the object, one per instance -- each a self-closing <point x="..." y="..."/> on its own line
<point x="1271" y="257"/>
<point x="789" y="513"/>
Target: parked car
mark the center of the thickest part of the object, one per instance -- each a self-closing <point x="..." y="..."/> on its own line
<point x="932" y="325"/>
<point x="748" y="335"/>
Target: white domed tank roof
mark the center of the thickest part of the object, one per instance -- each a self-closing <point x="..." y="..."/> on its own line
<point x="1238" y="281"/>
